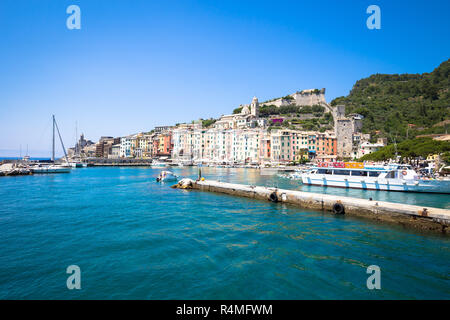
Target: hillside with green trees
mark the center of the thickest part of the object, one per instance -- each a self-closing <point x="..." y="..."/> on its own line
<point x="313" y="117"/>
<point x="402" y="105"/>
<point x="411" y="149"/>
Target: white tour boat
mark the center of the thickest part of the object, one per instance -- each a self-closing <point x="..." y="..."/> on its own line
<point x="394" y="177"/>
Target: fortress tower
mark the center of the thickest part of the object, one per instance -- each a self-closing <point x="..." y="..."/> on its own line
<point x="348" y="131"/>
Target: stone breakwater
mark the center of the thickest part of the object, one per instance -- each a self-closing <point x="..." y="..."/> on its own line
<point x="13" y="169"/>
<point x="433" y="219"/>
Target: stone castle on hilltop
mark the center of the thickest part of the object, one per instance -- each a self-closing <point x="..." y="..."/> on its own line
<point x="308" y="97"/>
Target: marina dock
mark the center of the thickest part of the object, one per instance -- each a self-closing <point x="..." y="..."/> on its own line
<point x="433" y="219"/>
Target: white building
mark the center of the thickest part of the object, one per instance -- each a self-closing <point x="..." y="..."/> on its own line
<point x="115" y="152"/>
<point x="125" y="147"/>
<point x="367" y="148"/>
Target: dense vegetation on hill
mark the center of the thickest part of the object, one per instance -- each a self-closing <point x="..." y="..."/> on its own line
<point x="268" y="110"/>
<point x="390" y="102"/>
<point x="317" y="117"/>
<point x="206" y="123"/>
<point x="411" y="148"/>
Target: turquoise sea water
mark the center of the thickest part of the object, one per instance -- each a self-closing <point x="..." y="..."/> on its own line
<point x="134" y="238"/>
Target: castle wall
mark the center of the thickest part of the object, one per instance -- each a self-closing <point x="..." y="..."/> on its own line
<point x="309" y="98"/>
<point x="302" y="98"/>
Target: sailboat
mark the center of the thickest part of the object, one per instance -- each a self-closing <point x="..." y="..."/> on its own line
<point x="76" y="159"/>
<point x="54" y="168"/>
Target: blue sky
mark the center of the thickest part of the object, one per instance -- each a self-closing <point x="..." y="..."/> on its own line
<point x="138" y="64"/>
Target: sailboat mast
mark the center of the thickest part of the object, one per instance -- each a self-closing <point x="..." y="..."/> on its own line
<point x="53" y="146"/>
<point x="77" y="147"/>
<point x="60" y="139"/>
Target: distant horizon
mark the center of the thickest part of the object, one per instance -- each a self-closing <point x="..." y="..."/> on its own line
<point x="134" y="66"/>
<point x="18" y="158"/>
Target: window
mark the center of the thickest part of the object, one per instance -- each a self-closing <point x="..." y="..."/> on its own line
<point x="359" y="173"/>
<point x="391" y="175"/>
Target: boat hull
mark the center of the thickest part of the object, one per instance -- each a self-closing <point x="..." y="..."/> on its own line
<point x="428" y="186"/>
<point x="78" y="165"/>
<point x="50" y="170"/>
<point x="166" y="176"/>
<point x="169" y="179"/>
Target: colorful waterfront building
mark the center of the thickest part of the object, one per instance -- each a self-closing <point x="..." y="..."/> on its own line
<point x="165" y="145"/>
<point x="125" y="147"/>
<point x="249" y="145"/>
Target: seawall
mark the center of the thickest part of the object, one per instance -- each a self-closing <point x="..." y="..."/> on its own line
<point x="424" y="218"/>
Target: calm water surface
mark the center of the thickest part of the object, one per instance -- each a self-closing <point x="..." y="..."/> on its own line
<point x="136" y="239"/>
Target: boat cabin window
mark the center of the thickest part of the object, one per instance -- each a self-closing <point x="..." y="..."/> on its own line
<point x="324" y="171"/>
<point x="341" y="172"/>
<point x="391" y="175"/>
<point x="359" y="173"/>
<point x="374" y="173"/>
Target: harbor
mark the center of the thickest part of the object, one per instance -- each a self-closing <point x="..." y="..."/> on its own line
<point x="218" y="245"/>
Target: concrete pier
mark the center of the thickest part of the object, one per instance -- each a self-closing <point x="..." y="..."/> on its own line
<point x="424" y="218"/>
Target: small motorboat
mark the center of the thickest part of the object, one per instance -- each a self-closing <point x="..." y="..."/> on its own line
<point x="77" y="164"/>
<point x="157" y="164"/>
<point x="166" y="176"/>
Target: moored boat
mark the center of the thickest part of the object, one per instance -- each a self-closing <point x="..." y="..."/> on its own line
<point x="394" y="177"/>
<point x="53" y="168"/>
<point x="166" y="176"/>
<point x="157" y="164"/>
<point x="77" y="164"/>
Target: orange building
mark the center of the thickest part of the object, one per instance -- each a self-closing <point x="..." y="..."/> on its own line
<point x="162" y="144"/>
<point x="326" y="144"/>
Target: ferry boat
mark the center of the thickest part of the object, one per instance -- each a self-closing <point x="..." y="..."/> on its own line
<point x="394" y="177"/>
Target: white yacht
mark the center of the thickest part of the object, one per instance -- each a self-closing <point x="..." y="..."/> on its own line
<point x="395" y="177"/>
